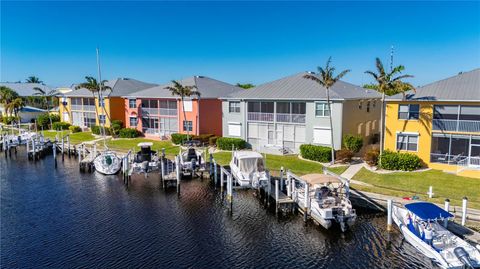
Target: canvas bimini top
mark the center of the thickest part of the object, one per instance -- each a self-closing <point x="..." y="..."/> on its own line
<point x="428" y="211"/>
<point x="296" y="87"/>
<point x="209" y="88"/>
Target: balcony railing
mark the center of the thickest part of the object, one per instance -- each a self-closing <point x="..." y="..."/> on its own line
<point x="76" y="107"/>
<point x="258" y="116"/>
<point x="150" y="111"/>
<point x="456" y="125"/>
<point x="168" y="112"/>
<point x="446" y="158"/>
<point x="295" y="118"/>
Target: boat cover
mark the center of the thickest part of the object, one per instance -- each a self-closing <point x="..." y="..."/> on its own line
<point x="427" y="211"/>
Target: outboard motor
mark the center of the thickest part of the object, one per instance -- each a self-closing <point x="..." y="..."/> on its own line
<point x="463" y="256"/>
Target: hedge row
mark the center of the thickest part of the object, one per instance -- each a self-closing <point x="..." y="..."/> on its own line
<point x="228" y="143"/>
<point x="128" y="133"/>
<point x="316" y="153"/>
<point x="60" y="125"/>
<point x="399" y="161"/>
<point x="74" y="129"/>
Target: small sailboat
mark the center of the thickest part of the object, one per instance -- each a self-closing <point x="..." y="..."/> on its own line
<point x="329" y="201"/>
<point x="248" y="169"/>
<point x="107" y="163"/>
<point x="419" y="224"/>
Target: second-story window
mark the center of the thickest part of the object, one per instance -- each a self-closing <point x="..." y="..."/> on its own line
<point x="101" y="119"/>
<point x="132" y="103"/>
<point x="408" y="112"/>
<point x="321" y="109"/>
<point x="234" y="107"/>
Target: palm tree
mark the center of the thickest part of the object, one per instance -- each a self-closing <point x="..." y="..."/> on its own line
<point x="15" y="106"/>
<point x="33" y="79"/>
<point x="6" y="96"/>
<point x="387" y="83"/>
<point x="94" y="87"/>
<point x="45" y="96"/>
<point x="327" y="79"/>
<point x="177" y="89"/>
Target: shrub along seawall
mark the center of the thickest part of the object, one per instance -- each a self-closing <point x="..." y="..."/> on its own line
<point x="316" y="153"/>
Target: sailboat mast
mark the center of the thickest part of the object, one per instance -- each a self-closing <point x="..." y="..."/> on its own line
<point x="100" y="97"/>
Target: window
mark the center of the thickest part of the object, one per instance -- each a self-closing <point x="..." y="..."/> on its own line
<point x="89" y="119"/>
<point x="101" y="119"/>
<point x="187" y="105"/>
<point x="374" y="103"/>
<point x="234" y="129"/>
<point x="408" y="112"/>
<point x="102" y="102"/>
<point x="298" y="108"/>
<point x="187" y="125"/>
<point x="132" y="103"/>
<point x="234" y="107"/>
<point x="321" y="109"/>
<point x="263" y="107"/>
<point x="133" y="122"/>
<point x="407" y="142"/>
<point x="368" y="106"/>
<point x="360" y="104"/>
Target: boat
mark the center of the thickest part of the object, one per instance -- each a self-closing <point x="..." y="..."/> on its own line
<point x="419" y="224"/>
<point x="107" y="163"/>
<point x="145" y="160"/>
<point x="329" y="201"/>
<point x="248" y="169"/>
<point x="190" y="160"/>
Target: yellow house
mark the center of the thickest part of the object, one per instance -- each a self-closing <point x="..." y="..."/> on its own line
<point x="440" y="123"/>
<point x="81" y="108"/>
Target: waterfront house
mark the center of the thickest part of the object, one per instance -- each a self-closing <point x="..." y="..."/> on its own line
<point x="279" y="116"/>
<point x="440" y="123"/>
<point x="80" y="107"/>
<point x="157" y="113"/>
<point x="34" y="104"/>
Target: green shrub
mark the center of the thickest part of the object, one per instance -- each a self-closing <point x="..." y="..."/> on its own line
<point x="128" y="133"/>
<point x="316" y="153"/>
<point x="353" y="143"/>
<point x="344" y="155"/>
<point x="60" y="125"/>
<point x="212" y="141"/>
<point x="179" y="139"/>
<point x="75" y="129"/>
<point x="371" y="157"/>
<point x="10" y="119"/>
<point x="97" y="129"/>
<point x="43" y="121"/>
<point x="115" y="126"/>
<point x="204" y="138"/>
<point x="400" y="161"/>
<point x="227" y="143"/>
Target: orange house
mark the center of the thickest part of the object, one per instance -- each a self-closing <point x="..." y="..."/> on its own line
<point x="157" y="113"/>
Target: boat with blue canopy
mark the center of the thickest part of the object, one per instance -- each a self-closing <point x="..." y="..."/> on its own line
<point x="419" y="224"/>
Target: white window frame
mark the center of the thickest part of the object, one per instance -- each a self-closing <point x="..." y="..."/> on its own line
<point x="191" y="126"/>
<point x="236" y="107"/>
<point x="408" y="112"/>
<point x="407" y="135"/>
<point x="130" y="121"/>
<point x="101" y="118"/>
<point x="325" y="108"/>
<point x="129" y="103"/>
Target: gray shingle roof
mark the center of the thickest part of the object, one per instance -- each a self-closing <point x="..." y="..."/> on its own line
<point x="120" y="87"/>
<point x="462" y="87"/>
<point x="208" y="88"/>
<point x="26" y="89"/>
<point x="296" y="87"/>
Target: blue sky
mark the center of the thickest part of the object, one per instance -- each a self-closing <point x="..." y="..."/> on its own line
<point x="244" y="42"/>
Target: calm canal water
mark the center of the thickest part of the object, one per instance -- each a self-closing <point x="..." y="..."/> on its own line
<point x="65" y="219"/>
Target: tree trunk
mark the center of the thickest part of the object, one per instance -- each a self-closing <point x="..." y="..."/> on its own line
<point x="331" y="125"/>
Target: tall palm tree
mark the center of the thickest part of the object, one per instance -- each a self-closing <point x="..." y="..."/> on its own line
<point x="6" y="96"/>
<point x="33" y="79"/>
<point x="97" y="88"/>
<point x="327" y="79"/>
<point x="387" y="83"/>
<point x="45" y="97"/>
<point x="177" y="89"/>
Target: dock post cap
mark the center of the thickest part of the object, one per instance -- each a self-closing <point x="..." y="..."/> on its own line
<point x="447" y="200"/>
<point x="465" y="198"/>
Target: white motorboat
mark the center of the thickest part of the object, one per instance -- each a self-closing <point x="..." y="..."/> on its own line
<point x="190" y="160"/>
<point x="418" y="223"/>
<point x="145" y="160"/>
<point x="329" y="200"/>
<point x="248" y="169"/>
<point x="107" y="163"/>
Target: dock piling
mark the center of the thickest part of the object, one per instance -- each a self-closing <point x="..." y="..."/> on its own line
<point x="215" y="174"/>
<point x="230" y="191"/>
<point x="177" y="166"/>
<point x="389" y="215"/>
<point x="306" y="200"/>
<point x="430" y="192"/>
<point x="447" y="208"/>
<point x="222" y="182"/>
<point x="277" y="195"/>
<point x="464" y="210"/>
<point x="281" y="178"/>
<point x="54" y="151"/>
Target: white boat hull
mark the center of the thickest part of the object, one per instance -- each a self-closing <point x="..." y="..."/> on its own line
<point x="107" y="163"/>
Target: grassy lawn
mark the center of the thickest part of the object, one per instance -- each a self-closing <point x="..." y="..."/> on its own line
<point x="275" y="162"/>
<point x="407" y="184"/>
<point x="126" y="144"/>
<point x="75" y="138"/>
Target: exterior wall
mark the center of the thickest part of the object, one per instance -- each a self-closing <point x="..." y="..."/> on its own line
<point x="190" y="116"/>
<point x="422" y="126"/>
<point x="114" y="108"/>
<point x="133" y="112"/>
<point x="313" y="121"/>
<point x="234" y="118"/>
<point x="210" y="116"/>
<point x="358" y="121"/>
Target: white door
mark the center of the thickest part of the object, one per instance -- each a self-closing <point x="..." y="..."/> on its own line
<point x="77" y="119"/>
